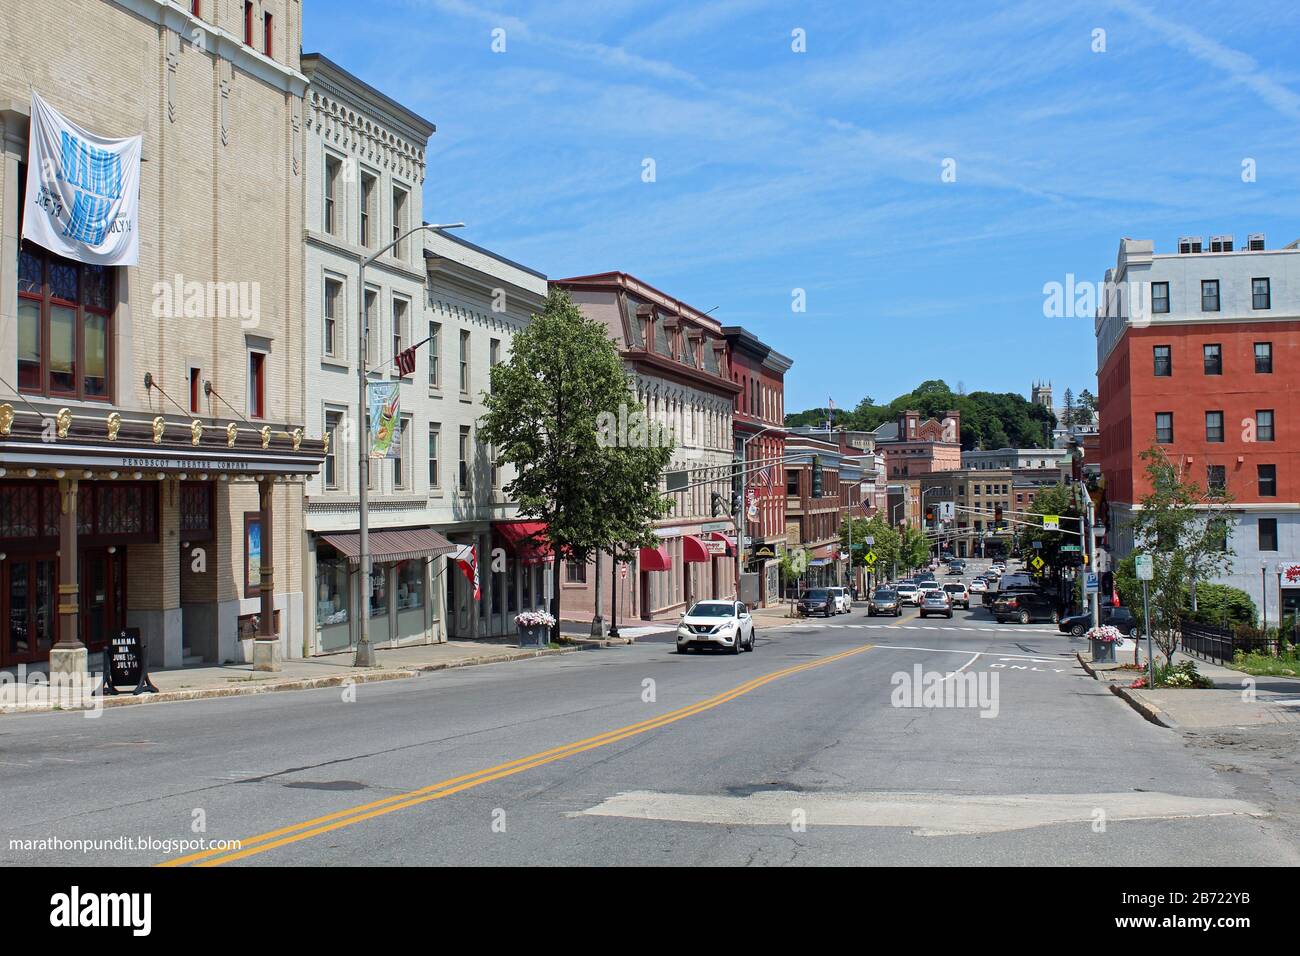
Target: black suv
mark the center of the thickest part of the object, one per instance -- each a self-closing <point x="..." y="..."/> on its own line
<point x="816" y="601"/>
<point x="1120" y="617"/>
<point x="1025" y="606"/>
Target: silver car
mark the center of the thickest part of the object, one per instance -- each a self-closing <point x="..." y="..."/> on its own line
<point x="935" y="601"/>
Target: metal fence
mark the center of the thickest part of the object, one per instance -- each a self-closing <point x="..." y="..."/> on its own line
<point x="1219" y="644"/>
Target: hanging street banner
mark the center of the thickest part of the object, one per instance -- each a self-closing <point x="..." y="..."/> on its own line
<point x="385" y="403"/>
<point x="83" y="191"/>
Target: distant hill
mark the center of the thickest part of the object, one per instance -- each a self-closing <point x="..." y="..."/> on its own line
<point x="988" y="419"/>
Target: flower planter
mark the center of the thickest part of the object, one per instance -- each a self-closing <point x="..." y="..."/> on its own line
<point x="538" y="635"/>
<point x="1103" y="652"/>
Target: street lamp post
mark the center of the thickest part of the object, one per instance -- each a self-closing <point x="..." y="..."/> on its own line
<point x="740" y="505"/>
<point x="365" y="655"/>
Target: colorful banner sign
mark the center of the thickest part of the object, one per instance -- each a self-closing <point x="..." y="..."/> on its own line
<point x="83" y="191"/>
<point x="385" y="403"/>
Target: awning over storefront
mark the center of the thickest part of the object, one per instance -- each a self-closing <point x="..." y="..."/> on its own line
<point x="727" y="539"/>
<point x="526" y="540"/>
<point x="391" y="545"/>
<point x="694" y="550"/>
<point x="656" y="559"/>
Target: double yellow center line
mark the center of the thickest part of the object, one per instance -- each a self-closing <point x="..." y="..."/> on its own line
<point x="445" y="788"/>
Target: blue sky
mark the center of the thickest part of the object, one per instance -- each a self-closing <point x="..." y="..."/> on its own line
<point x="821" y="170"/>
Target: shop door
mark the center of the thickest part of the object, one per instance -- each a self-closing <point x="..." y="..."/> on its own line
<point x="103" y="596"/>
<point x="28" y="594"/>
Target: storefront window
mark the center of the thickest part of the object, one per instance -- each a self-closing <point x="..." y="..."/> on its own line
<point x="331" y="591"/>
<point x="379" y="590"/>
<point x="410" y="584"/>
<point x="511" y="600"/>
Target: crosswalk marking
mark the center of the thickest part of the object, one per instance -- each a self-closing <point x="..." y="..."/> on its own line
<point x="966" y="630"/>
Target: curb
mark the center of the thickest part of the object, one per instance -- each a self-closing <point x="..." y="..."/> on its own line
<point x="309" y="683"/>
<point x="1092" y="672"/>
<point x="1149" y="711"/>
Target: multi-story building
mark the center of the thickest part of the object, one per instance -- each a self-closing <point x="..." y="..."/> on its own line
<point x="1197" y="354"/>
<point x="916" y="446"/>
<point x="814" y="505"/>
<point x="676" y="359"/>
<point x="152" y="442"/>
<point x="759" y="436"/>
<point x="976" y="496"/>
<point x="1015" y="459"/>
<point x="460" y="306"/>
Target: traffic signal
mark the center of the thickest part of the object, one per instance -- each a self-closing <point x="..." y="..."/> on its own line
<point x="997" y="516"/>
<point x="717" y="505"/>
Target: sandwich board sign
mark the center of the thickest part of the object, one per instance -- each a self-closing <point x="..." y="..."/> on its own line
<point x="126" y="662"/>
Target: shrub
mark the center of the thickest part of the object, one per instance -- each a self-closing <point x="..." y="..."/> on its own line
<point x="1224" y="605"/>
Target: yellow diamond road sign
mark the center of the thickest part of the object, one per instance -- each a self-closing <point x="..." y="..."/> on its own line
<point x="870" y="558"/>
<point x="1037" y="563"/>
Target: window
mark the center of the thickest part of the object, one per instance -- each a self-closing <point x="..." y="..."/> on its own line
<point x="248" y="22"/>
<point x="1160" y="297"/>
<point x="196" y="390"/>
<point x="1216" y="479"/>
<point x="1210" y="295"/>
<point x="399" y="220"/>
<point x="333" y="176"/>
<point x="256" y="384"/>
<point x="435" y="354"/>
<point x="1263" y="358"/>
<point x="1165" y="428"/>
<point x="463" y="475"/>
<point x="1264" y="425"/>
<point x="1268" y="534"/>
<point x="792" y="484"/>
<point x="402" y="474"/>
<point x="1214" y="426"/>
<point x="332" y="420"/>
<point x="464" y="361"/>
<point x="1164" y="362"/>
<point x="435" y="442"/>
<point x="1261" y="296"/>
<point x="575" y="572"/>
<point x="1268" y="481"/>
<point x="64" y="326"/>
<point x="1213" y="359"/>
<point x="368" y="184"/>
<point x="410" y="584"/>
<point x="400" y="309"/>
<point x="333" y="311"/>
<point x="196" y="7"/>
<point x="372" y="328"/>
<point x="494" y="358"/>
<point x="267" y="24"/>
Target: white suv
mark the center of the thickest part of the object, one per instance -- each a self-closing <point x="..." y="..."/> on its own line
<point x="723" y="624"/>
<point x="843" y="600"/>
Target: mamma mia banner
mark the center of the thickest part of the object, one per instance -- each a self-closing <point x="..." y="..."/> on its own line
<point x="385" y="419"/>
<point x="83" y="191"/>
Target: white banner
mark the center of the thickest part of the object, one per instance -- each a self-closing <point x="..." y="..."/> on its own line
<point x="83" y="191"/>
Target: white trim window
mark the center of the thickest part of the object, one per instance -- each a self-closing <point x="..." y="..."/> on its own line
<point x="333" y="329"/>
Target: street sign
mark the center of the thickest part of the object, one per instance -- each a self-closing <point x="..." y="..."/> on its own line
<point x="1092" y="583"/>
<point x="1051" y="522"/>
<point x="871" y="540"/>
<point x="622" y="570"/>
<point x="947" y="510"/>
<point x="1037" y="563"/>
<point x="871" y="558"/>
<point x="1038" y="544"/>
<point x="1146" y="569"/>
<point x="1071" y="547"/>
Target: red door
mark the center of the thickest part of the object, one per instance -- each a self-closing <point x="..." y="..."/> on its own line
<point x="28" y="593"/>
<point x="103" y="596"/>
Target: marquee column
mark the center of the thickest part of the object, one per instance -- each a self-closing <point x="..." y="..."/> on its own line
<point x="68" y="655"/>
<point x="266" y="624"/>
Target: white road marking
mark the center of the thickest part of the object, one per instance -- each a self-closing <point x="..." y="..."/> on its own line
<point x="973" y="659"/>
<point x="962" y="650"/>
<point x="925" y="814"/>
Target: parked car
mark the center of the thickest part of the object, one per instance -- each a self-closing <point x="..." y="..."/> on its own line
<point x="816" y="601"/>
<point x="720" y="624"/>
<point x="935" y="601"/>
<point x="885" y="601"/>
<point x="843" y="602"/>
<point x="1026" y="606"/>
<point x="991" y="596"/>
<point x="908" y="593"/>
<point x="958" y="594"/>
<point x="1120" y="617"/>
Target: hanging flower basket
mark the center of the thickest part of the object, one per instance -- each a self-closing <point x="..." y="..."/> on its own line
<point x="1103" y="640"/>
<point x="534" y="628"/>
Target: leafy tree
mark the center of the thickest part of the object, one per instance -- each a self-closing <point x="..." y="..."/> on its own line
<point x="544" y="415"/>
<point x="914" y="549"/>
<point x="1185" y="530"/>
<point x="1224" y="605"/>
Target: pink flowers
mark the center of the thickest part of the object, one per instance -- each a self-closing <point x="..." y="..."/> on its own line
<point x="1106" y="634"/>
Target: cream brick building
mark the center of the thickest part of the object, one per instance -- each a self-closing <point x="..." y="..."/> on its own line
<point x="167" y="529"/>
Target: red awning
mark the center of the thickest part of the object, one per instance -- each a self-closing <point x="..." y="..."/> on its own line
<point x="656" y="559"/>
<point x="729" y="539"/>
<point x="693" y="550"/>
<point x="526" y="540"/>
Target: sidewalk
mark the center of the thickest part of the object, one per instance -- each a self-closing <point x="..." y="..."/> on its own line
<point x="1270" y="700"/>
<point x="230" y="680"/>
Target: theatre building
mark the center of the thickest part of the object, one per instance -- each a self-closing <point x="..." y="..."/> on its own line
<point x="152" y="446"/>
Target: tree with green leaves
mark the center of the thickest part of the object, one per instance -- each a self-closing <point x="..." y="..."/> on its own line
<point x="914" y="548"/>
<point x="1187" y="531"/>
<point x="547" y="415"/>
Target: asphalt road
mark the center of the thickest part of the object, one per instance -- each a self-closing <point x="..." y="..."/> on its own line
<point x="796" y="753"/>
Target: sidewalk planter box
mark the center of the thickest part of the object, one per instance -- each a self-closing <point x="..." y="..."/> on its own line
<point x="1103" y="652"/>
<point x="535" y="635"/>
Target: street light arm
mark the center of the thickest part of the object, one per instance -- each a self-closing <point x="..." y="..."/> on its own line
<point x="423" y="227"/>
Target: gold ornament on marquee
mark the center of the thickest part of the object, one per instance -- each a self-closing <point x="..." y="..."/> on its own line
<point x="114" y="426"/>
<point x="159" y="424"/>
<point x="63" y="421"/>
<point x="6" y="419"/>
<point x="232" y="432"/>
<point x="326" y="440"/>
<point x="196" y="432"/>
<point x="266" y="436"/>
<point x="296" y="435"/>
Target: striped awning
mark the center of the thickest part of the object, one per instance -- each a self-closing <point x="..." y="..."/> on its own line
<point x="401" y="545"/>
